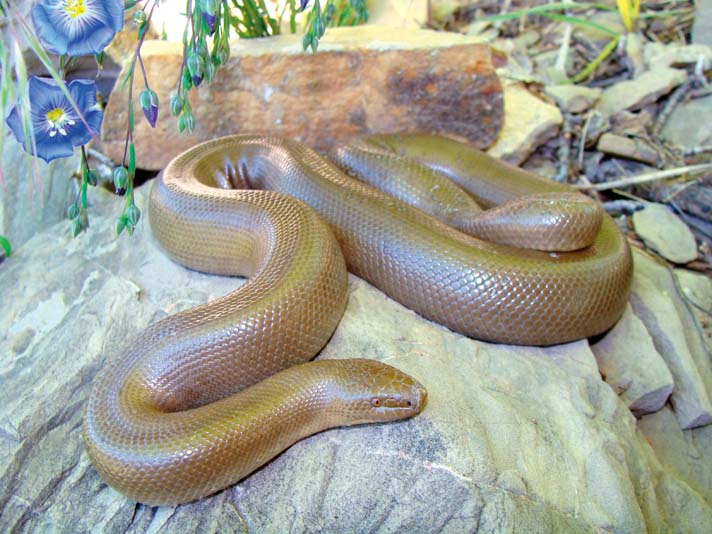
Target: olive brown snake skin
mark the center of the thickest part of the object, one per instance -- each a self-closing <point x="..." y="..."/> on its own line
<point x="204" y="397"/>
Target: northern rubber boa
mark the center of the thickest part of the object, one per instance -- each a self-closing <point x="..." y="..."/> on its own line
<point x="204" y="397"/>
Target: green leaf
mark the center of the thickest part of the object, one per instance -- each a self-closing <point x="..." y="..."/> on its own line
<point x="5" y="244"/>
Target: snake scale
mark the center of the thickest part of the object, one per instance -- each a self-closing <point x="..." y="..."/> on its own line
<point x="204" y="397"/>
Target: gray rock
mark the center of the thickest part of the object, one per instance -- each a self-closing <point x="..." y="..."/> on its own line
<point x="33" y="194"/>
<point x="653" y="301"/>
<point x="664" y="232"/>
<point x="514" y="439"/>
<point x="702" y="27"/>
<point x="630" y="364"/>
<point x="641" y="91"/>
<point x="573" y="98"/>
<point x="690" y="123"/>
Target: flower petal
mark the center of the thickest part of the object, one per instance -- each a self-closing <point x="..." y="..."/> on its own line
<point x="49" y="148"/>
<point x="63" y="30"/>
<point x="54" y="40"/>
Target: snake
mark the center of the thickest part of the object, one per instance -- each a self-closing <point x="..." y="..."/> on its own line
<point x="202" y="398"/>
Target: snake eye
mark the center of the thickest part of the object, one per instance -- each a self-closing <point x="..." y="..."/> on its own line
<point x="375" y="402"/>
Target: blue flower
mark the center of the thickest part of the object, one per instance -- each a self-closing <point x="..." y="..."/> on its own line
<point x="77" y="27"/>
<point x="55" y="123"/>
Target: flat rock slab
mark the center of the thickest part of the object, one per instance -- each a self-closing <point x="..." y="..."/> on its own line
<point x="363" y="80"/>
<point x="513" y="439"/>
<point x="664" y="232"/>
<point x="528" y="123"/>
<point x="33" y="193"/>
<point x="641" y="91"/>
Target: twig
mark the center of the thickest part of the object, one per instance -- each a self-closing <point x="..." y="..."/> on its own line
<point x="695" y="150"/>
<point x="647" y="177"/>
<point x="623" y="206"/>
<point x="671" y="104"/>
<point x="102" y="158"/>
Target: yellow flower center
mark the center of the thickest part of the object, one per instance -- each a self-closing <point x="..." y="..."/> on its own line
<point x="57" y="119"/>
<point x="55" y="115"/>
<point x="75" y="8"/>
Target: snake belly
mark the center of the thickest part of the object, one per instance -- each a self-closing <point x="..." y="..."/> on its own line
<point x="193" y="403"/>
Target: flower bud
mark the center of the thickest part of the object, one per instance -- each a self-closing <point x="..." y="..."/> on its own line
<point x="176" y="104"/>
<point x="149" y="106"/>
<point x="76" y="227"/>
<point x="133" y="214"/>
<point x="139" y="17"/>
<point x="119" y="225"/>
<point x="92" y="178"/>
<point x="121" y="178"/>
<point x="72" y="211"/>
<point x="195" y="68"/>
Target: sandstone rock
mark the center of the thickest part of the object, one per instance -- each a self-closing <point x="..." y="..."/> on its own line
<point x="702" y="27"/>
<point x="628" y="147"/>
<point x="637" y="93"/>
<point x="630" y="364"/>
<point x="653" y="301"/>
<point x="573" y="98"/>
<point x="528" y="123"/>
<point x="366" y="79"/>
<point x="33" y="194"/>
<point x="664" y="232"/>
<point x="513" y="438"/>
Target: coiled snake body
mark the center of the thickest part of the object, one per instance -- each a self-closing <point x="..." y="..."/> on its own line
<point x="193" y="403"/>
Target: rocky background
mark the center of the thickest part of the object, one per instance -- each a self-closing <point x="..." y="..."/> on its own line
<point x="610" y="434"/>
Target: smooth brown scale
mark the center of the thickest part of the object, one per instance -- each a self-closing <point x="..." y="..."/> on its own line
<point x="193" y="403"/>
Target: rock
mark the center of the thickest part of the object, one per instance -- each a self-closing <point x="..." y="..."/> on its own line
<point x="630" y="364"/>
<point x="664" y="232"/>
<point x="33" y="194"/>
<point x="628" y="147"/>
<point x="690" y="123"/>
<point x="528" y="123"/>
<point x="637" y="93"/>
<point x="686" y="455"/>
<point x="573" y="98"/>
<point x="697" y="288"/>
<point x="397" y="14"/>
<point x="512" y="439"/>
<point x="659" y="55"/>
<point x="676" y="339"/>
<point x="702" y="26"/>
<point x="366" y="79"/>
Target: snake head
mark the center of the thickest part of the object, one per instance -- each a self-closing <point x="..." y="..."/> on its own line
<point x="369" y="391"/>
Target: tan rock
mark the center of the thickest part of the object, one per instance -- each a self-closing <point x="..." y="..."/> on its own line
<point x="637" y="93"/>
<point x="573" y="98"/>
<point x="628" y="147"/>
<point x="528" y="123"/>
<point x="363" y="80"/>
